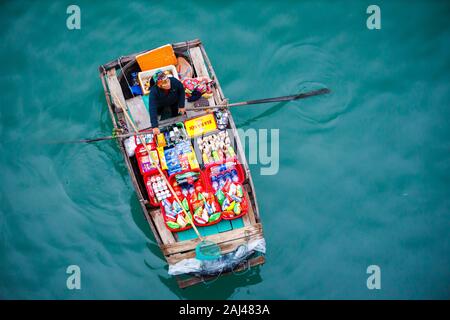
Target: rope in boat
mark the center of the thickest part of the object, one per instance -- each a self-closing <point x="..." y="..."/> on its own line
<point x="124" y="75"/>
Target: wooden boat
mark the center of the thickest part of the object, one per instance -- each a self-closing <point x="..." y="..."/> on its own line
<point x="173" y="247"/>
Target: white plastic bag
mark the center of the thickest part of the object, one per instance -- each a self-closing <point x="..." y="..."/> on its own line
<point x="130" y="145"/>
<point x="229" y="260"/>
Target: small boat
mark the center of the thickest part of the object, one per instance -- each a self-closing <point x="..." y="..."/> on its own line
<point x="240" y="237"/>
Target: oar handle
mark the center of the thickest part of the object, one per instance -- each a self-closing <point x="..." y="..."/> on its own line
<point x="157" y="166"/>
<point x="267" y="100"/>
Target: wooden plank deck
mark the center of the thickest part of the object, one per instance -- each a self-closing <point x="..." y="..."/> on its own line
<point x="139" y="112"/>
<point x="115" y="92"/>
<point x="114" y="88"/>
<point x="225" y="247"/>
<point x="166" y="235"/>
<point x="188" y="245"/>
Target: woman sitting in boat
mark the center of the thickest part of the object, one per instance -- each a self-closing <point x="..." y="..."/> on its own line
<point x="166" y="98"/>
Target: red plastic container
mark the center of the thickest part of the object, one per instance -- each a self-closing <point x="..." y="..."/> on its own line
<point x="227" y="215"/>
<point x="145" y="167"/>
<point x="204" y="188"/>
<point x="163" y="212"/>
<point x="207" y="171"/>
<point x="172" y="177"/>
<point x="209" y="223"/>
<point x="151" y="195"/>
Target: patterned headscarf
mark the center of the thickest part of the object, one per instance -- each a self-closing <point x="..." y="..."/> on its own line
<point x="159" y="76"/>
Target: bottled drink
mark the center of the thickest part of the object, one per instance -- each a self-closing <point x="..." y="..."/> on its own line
<point x="215" y="183"/>
<point x="234" y="175"/>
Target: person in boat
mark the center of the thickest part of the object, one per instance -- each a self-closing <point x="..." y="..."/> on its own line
<point x="166" y="98"/>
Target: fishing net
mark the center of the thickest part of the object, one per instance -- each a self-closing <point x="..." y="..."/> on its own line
<point x="207" y="250"/>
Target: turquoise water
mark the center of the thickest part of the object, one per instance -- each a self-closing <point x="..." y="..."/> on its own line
<point x="364" y="173"/>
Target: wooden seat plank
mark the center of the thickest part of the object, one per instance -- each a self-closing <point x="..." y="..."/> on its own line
<point x="225" y="248"/>
<point x="114" y="89"/>
<point x="200" y="66"/>
<point x="139" y="112"/>
<point x="218" y="238"/>
<point x="166" y="236"/>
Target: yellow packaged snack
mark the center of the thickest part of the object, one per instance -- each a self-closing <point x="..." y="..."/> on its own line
<point x="161" y="140"/>
<point x="193" y="163"/>
<point x="162" y="158"/>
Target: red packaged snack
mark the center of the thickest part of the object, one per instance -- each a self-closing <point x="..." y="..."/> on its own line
<point x="205" y="209"/>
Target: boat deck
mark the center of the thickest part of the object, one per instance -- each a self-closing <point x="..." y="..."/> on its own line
<point x="178" y="246"/>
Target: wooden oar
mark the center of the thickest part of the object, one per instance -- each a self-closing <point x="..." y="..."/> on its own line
<point x="267" y="100"/>
<point x="236" y="104"/>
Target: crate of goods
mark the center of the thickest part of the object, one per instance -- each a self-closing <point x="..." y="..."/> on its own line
<point x="222" y="119"/>
<point x="144" y="161"/>
<point x="174" y="216"/>
<point x="232" y="200"/>
<point x="175" y="149"/>
<point x="157" y="189"/>
<point x="171" y="135"/>
<point x="214" y="148"/>
<point x="204" y="207"/>
<point x="184" y="184"/>
<point x="218" y="173"/>
<point x="180" y="157"/>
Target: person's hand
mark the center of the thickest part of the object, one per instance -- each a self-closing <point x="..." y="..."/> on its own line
<point x="155" y="131"/>
<point x="182" y="110"/>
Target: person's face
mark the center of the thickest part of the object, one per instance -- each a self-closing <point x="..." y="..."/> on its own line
<point x="164" y="84"/>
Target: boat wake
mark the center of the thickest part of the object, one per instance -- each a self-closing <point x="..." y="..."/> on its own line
<point x="305" y="67"/>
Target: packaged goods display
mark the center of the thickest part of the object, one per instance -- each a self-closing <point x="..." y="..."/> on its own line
<point x="221" y="119"/>
<point x="171" y="135"/>
<point x="215" y="147"/>
<point x="206" y="210"/>
<point x="174" y="216"/>
<point x="209" y="193"/>
<point x="157" y="189"/>
<point x="148" y="137"/>
<point x="218" y="175"/>
<point x="232" y="200"/>
<point x="145" y="162"/>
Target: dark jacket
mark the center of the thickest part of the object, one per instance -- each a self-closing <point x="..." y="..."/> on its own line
<point x="158" y="100"/>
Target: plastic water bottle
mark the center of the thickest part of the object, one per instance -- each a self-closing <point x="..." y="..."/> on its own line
<point x="234" y="175"/>
<point x="222" y="182"/>
<point x="214" y="183"/>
